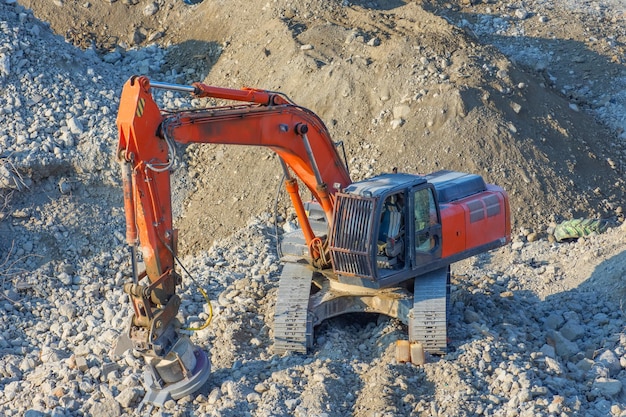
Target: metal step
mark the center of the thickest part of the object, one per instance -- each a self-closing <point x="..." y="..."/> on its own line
<point x="293" y="329"/>
<point x="427" y="320"/>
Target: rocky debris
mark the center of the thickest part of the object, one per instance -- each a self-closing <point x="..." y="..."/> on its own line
<point x="536" y="328"/>
<point x="590" y="40"/>
<point x="500" y="361"/>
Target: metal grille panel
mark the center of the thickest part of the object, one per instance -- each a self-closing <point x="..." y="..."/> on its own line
<point x="493" y="205"/>
<point x="351" y="238"/>
<point x="477" y="210"/>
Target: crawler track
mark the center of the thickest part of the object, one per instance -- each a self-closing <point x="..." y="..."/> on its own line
<point x="427" y="321"/>
<point x="293" y="330"/>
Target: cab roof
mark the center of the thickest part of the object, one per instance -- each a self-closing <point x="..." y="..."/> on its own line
<point x="384" y="184"/>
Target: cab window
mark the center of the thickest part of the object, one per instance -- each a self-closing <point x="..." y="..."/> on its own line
<point x="390" y="246"/>
<point x="425" y="217"/>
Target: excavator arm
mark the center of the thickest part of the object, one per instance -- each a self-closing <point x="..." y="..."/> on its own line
<point x="147" y="138"/>
<point x="146" y="151"/>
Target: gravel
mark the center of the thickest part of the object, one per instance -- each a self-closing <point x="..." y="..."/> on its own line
<point x="518" y="28"/>
<point x="536" y="328"/>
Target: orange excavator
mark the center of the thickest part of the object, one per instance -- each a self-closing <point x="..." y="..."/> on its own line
<point x="382" y="245"/>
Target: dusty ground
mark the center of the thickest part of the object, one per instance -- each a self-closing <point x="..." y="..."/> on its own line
<point x="461" y="104"/>
<point x="417" y="85"/>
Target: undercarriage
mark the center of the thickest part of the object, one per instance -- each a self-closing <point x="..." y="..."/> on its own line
<point x="306" y="298"/>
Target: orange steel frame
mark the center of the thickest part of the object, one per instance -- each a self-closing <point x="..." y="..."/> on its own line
<point x="147" y="134"/>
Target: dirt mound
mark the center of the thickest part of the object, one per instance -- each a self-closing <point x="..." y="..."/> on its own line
<point x="397" y="84"/>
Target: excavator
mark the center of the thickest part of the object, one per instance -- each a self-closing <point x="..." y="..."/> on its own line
<point x="381" y="245"/>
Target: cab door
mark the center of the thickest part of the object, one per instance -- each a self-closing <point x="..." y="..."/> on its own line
<point x="425" y="226"/>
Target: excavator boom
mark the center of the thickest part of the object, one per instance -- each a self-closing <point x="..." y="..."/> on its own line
<point x="148" y="136"/>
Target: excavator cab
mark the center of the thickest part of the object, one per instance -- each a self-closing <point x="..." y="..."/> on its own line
<point x="394" y="227"/>
<point x="409" y="234"/>
<point x="384" y="229"/>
